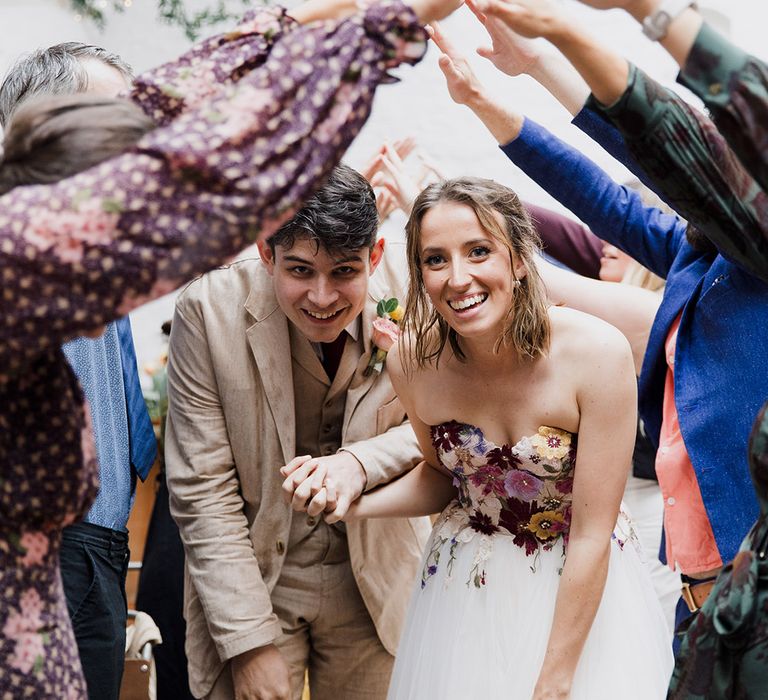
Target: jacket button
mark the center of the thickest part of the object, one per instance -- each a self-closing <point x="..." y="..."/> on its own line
<point x="311" y="521"/>
<point x="280" y="546"/>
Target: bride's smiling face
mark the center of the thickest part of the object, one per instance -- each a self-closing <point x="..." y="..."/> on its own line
<point x="468" y="274"/>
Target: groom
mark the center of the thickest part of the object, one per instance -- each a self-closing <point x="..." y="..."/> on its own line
<point x="267" y="361"/>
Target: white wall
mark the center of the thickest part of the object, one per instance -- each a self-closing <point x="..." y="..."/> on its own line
<point x="419" y="105"/>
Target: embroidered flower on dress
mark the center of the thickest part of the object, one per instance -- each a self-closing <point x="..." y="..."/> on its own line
<point x="565" y="485"/>
<point x="446" y="435"/>
<point x="497" y="496"/>
<point x="551" y="443"/>
<point x="480" y="522"/>
<point x="489" y="479"/>
<point x="521" y="484"/>
<point x="546" y="524"/>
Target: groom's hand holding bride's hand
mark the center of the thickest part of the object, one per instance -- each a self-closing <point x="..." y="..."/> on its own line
<point x="323" y="484"/>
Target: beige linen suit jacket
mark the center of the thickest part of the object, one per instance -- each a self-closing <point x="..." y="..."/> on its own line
<point x="231" y="426"/>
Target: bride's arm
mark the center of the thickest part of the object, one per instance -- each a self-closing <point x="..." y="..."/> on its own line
<point x="425" y="489"/>
<point x="606" y="394"/>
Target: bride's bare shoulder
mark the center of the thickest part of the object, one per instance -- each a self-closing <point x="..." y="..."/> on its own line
<point x="402" y="366"/>
<point x="584" y="339"/>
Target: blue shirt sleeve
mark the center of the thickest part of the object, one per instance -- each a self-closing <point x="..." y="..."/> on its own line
<point x="613" y="212"/>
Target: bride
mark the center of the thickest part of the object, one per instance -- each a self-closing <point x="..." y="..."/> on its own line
<point x="532" y="586"/>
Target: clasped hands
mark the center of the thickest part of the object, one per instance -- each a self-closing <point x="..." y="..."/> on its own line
<point x="328" y="485"/>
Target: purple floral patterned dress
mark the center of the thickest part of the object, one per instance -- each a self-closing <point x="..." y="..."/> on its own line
<point x="250" y="123"/>
<point x="479" y="621"/>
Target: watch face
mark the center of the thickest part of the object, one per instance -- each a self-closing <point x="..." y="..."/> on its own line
<point x="656" y="25"/>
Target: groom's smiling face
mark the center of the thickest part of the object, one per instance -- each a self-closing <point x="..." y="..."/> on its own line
<point x="320" y="291"/>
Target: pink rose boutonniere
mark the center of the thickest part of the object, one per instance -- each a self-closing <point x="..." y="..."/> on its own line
<point x="385" y="333"/>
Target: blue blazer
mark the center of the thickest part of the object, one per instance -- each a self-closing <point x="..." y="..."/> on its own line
<point x="721" y="359"/>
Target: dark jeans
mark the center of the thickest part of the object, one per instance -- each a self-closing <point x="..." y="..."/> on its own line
<point x="94" y="563"/>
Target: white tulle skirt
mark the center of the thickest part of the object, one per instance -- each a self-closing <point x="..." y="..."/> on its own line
<point x="464" y="642"/>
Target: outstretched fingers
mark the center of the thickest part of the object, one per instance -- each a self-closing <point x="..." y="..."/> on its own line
<point x="441" y="41"/>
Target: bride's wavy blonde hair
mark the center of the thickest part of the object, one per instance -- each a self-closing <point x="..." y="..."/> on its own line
<point x="526" y="329"/>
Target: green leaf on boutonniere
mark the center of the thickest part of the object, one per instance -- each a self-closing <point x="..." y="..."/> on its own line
<point x="386" y="306"/>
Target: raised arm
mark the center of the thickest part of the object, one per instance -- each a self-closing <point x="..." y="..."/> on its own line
<point x="78" y="253"/>
<point x="567" y="241"/>
<point x="614" y="213"/>
<point x="732" y="83"/>
<point x="515" y="55"/>
<point x="211" y="66"/>
<point x="682" y="151"/>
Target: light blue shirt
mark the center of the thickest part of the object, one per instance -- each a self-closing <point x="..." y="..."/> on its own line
<point x="98" y="367"/>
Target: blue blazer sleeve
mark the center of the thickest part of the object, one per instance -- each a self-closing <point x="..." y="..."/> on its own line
<point x="601" y="131"/>
<point x="613" y="212"/>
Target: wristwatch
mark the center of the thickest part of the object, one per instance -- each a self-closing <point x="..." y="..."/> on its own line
<point x="656" y="25"/>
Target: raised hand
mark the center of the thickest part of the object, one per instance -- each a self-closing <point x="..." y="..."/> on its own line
<point x="394" y="179"/>
<point x="529" y="18"/>
<point x="509" y="52"/>
<point x="463" y="85"/>
<point x="429" y="171"/>
<point x="464" y="88"/>
<point x="403" y="148"/>
<point x="385" y="204"/>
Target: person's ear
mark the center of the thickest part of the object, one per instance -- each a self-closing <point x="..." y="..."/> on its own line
<point x="267" y="256"/>
<point x="519" y="270"/>
<point x="377" y="253"/>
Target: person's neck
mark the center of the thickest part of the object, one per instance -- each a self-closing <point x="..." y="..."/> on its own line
<point x="484" y="353"/>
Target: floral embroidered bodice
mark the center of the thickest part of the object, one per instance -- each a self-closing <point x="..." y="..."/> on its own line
<point x="523" y="489"/>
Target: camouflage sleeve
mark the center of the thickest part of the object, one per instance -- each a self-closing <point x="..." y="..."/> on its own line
<point x="734" y="87"/>
<point x="694" y="168"/>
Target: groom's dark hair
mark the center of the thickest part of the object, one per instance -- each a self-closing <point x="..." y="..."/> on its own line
<point x="340" y="216"/>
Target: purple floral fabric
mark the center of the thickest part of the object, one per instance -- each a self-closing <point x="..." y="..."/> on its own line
<point x="250" y="124"/>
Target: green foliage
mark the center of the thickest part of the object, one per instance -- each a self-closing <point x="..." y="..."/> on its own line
<point x="173" y="12"/>
<point x="386" y="306"/>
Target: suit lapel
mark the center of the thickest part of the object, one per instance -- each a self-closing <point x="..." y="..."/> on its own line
<point x="360" y="384"/>
<point x="270" y="344"/>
